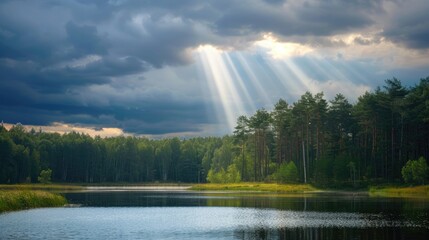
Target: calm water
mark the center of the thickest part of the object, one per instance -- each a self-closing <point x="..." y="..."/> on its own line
<point x="196" y="215"/>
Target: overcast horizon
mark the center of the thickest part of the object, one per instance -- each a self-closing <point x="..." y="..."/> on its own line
<point x="190" y="68"/>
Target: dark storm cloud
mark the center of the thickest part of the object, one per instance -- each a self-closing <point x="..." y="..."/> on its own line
<point x="153" y="117"/>
<point x="303" y="18"/>
<point x="50" y="51"/>
<point x="85" y="39"/>
<point x="408" y="25"/>
<point x="275" y="1"/>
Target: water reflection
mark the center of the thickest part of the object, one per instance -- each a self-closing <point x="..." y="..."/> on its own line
<point x="201" y="223"/>
<point x="333" y="233"/>
<point x="205" y="215"/>
<point x="314" y="202"/>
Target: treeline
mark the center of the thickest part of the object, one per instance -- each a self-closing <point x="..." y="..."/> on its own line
<point x="336" y="141"/>
<point x="311" y="140"/>
<point x="76" y="157"/>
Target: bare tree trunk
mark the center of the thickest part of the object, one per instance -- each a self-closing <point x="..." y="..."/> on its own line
<point x="255" y="158"/>
<point x="392" y="151"/>
<point x="317" y="143"/>
<point x="402" y="140"/>
<point x="303" y="162"/>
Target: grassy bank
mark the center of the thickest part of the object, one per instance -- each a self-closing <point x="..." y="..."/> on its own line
<point x="39" y="186"/>
<point x="12" y="200"/>
<point x="82" y="186"/>
<point x="261" y="187"/>
<point x="396" y="191"/>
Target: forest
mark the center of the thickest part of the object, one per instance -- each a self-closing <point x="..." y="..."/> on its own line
<point x="313" y="140"/>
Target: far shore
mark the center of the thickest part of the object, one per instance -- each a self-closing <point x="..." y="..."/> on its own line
<point x="373" y="191"/>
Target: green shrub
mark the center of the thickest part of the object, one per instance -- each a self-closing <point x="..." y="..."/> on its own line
<point x="415" y="171"/>
<point x="287" y="172"/>
<point x="215" y="177"/>
<point x="45" y="176"/>
<point x="232" y="175"/>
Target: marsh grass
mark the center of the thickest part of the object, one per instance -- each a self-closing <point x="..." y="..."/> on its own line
<point x="257" y="187"/>
<point x="13" y="200"/>
<point x="395" y="191"/>
<point x="47" y="187"/>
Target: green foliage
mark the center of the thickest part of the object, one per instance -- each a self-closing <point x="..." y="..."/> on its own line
<point x="215" y="177"/>
<point x="291" y="173"/>
<point x="7" y="163"/>
<point x="331" y="171"/>
<point x="323" y="171"/>
<point x="340" y="168"/>
<point x="45" y="176"/>
<point x="223" y="156"/>
<point x="415" y="171"/>
<point x="13" y="200"/>
<point x="286" y="173"/>
<point x="232" y="175"/>
<point x="243" y="161"/>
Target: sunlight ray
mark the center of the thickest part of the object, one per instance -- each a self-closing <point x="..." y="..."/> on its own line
<point x="335" y="79"/>
<point x="285" y="76"/>
<point x="239" y="79"/>
<point x="354" y="72"/>
<point x="221" y="85"/>
<point x="302" y="76"/>
<point x="315" y="62"/>
<point x="263" y="95"/>
<point x="334" y="74"/>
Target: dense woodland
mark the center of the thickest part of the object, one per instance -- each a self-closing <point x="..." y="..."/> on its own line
<point x="324" y="142"/>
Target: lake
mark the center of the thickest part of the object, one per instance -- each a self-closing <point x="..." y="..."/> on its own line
<point x="182" y="214"/>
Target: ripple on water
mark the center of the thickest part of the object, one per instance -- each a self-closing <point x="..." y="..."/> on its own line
<point x="174" y="222"/>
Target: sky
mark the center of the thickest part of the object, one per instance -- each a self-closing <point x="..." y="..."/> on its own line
<point x="190" y="68"/>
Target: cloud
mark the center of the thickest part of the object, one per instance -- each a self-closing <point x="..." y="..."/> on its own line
<point x="407" y="24"/>
<point x="302" y="18"/>
<point x="67" y="128"/>
<point x="130" y="64"/>
<point x="85" y="39"/>
<point x="276" y="2"/>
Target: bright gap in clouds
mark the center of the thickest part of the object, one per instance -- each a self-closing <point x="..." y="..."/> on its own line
<point x="63" y="128"/>
<point x="281" y="50"/>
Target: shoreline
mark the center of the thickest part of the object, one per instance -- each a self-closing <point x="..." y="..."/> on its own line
<point x="249" y="187"/>
<point x="136" y="188"/>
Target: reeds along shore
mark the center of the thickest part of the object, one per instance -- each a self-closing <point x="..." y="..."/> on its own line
<point x="13" y="200"/>
<point x="392" y="191"/>
<point x="264" y="187"/>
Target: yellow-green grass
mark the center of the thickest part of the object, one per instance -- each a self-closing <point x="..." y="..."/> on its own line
<point x="259" y="187"/>
<point x="39" y="186"/>
<point x="13" y="200"/>
<point x="392" y="191"/>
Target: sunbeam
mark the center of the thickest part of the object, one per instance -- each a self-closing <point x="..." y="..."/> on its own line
<point x="335" y="74"/>
<point x="222" y="85"/>
<point x="243" y="89"/>
<point x="301" y="76"/>
<point x="289" y="81"/>
<point x="241" y="82"/>
<point x="263" y="96"/>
